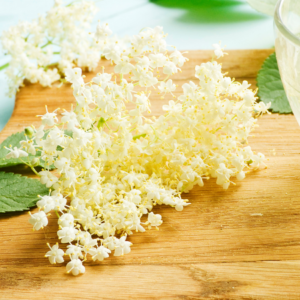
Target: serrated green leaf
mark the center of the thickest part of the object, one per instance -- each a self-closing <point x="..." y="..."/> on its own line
<point x="14" y="141"/>
<point x="18" y="193"/>
<point x="270" y="87"/>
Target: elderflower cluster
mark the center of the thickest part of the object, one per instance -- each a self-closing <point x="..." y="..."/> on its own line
<point x="42" y="49"/>
<point x="113" y="165"/>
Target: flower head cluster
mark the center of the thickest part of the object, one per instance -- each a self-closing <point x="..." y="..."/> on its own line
<point x="114" y="164"/>
<point x="42" y="49"/>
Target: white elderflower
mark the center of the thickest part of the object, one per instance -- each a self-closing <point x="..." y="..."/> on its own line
<point x="46" y="203"/>
<point x="102" y="31"/>
<point x="170" y="68"/>
<point x="74" y="251"/>
<point x="67" y="234"/>
<point x="75" y="266"/>
<point x="47" y="178"/>
<point x="55" y="254"/>
<point x="157" y="60"/>
<point x="110" y="242"/>
<point x="74" y="76"/>
<point x="132" y="179"/>
<point x="167" y="87"/>
<point x="180" y="203"/>
<point x="15" y="153"/>
<point x="223" y="175"/>
<point x="124" y="66"/>
<point x="49" y="118"/>
<point x="172" y="107"/>
<point x="257" y="160"/>
<point x="122" y="246"/>
<point x="38" y="220"/>
<point x="115" y="164"/>
<point x="71" y="119"/>
<point x="59" y="201"/>
<point x="219" y="52"/>
<point x="178" y="58"/>
<point x="62" y="164"/>
<point x="66" y="220"/>
<point x="154" y="219"/>
<point x="63" y="30"/>
<point x="100" y="253"/>
<point x="28" y="146"/>
<point x="262" y="108"/>
<point x="39" y="133"/>
<point x="142" y="102"/>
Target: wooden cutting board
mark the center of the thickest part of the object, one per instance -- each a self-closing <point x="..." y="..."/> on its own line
<point x="243" y="243"/>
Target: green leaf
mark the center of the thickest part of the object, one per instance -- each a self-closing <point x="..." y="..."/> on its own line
<point x="270" y="87"/>
<point x="14" y="141"/>
<point x="18" y="193"/>
<point x="68" y="133"/>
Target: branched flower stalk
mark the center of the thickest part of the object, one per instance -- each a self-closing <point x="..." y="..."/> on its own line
<point x="115" y="165"/>
<point x="43" y="49"/>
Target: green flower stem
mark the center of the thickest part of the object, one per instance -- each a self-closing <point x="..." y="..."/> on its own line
<point x="166" y="78"/>
<point x="71" y="3"/>
<point x="62" y="80"/>
<point x="50" y="65"/>
<point x="31" y="167"/>
<point x="48" y="43"/>
<point x="45" y="45"/>
<point x="57" y="214"/>
<point x="34" y="170"/>
<point x="4" y="66"/>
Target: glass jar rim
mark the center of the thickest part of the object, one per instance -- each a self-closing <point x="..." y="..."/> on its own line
<point x="281" y="26"/>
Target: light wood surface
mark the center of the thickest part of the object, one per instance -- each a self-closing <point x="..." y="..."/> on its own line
<point x="243" y="243"/>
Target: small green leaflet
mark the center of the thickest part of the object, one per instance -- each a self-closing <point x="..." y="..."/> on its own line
<point x="18" y="193"/>
<point x="136" y="137"/>
<point x="101" y="122"/>
<point x="270" y="87"/>
<point x="14" y="141"/>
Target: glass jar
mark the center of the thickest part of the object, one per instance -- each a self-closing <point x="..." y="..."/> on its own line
<point x="264" y="6"/>
<point x="287" y="45"/>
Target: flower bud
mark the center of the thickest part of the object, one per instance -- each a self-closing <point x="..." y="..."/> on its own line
<point x="29" y="131"/>
<point x="35" y="162"/>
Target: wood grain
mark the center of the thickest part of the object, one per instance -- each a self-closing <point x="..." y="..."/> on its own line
<point x="243" y="243"/>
